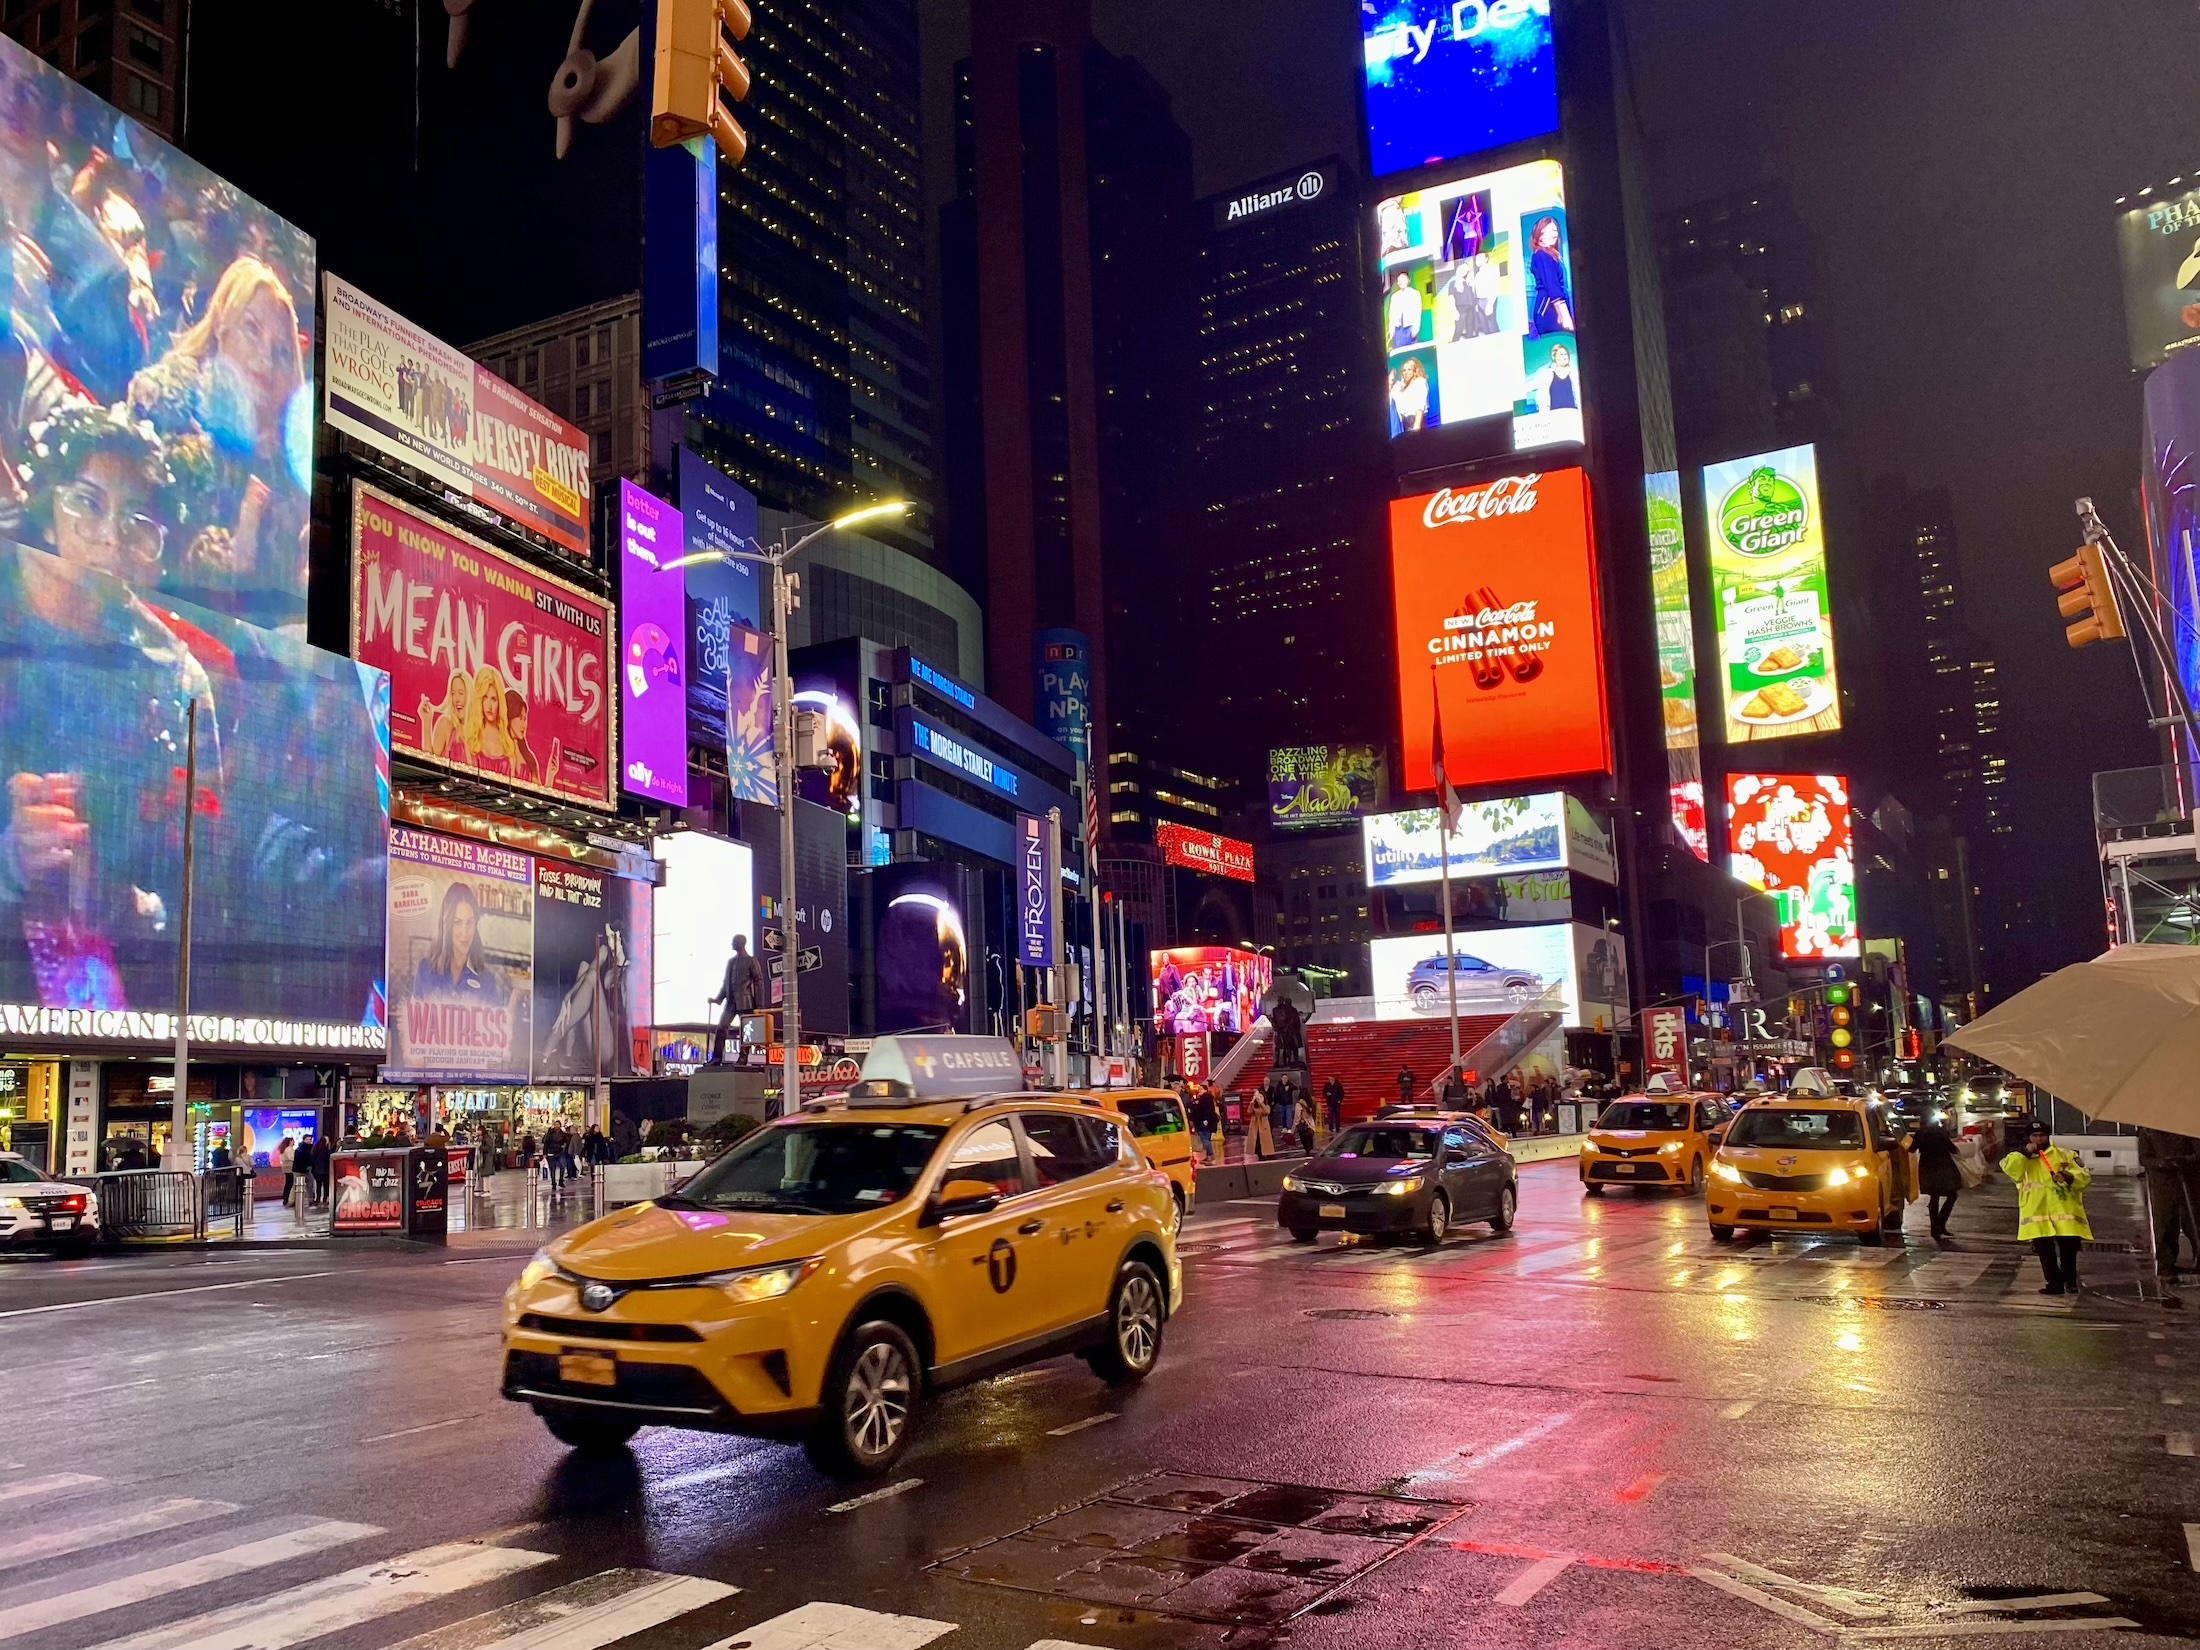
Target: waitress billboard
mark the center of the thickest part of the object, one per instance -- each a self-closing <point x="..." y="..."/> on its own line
<point x="1498" y="628"/>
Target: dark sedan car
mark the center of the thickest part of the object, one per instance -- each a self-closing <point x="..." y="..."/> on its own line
<point x="1416" y="1173"/>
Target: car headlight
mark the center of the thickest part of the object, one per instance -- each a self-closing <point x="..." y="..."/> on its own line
<point x="1727" y="1171"/>
<point x="1672" y="1146"/>
<point x="541" y="1266"/>
<point x="1291" y="1183"/>
<point x="1399" y="1188"/>
<point x="760" y="1283"/>
<point x="1841" y="1177"/>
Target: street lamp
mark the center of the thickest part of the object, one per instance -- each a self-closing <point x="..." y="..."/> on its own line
<point x="790" y="947"/>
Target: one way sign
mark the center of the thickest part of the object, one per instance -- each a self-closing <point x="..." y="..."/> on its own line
<point x="810" y="957"/>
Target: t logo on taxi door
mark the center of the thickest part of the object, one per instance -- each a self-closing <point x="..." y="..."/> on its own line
<point x="1000" y="1265"/>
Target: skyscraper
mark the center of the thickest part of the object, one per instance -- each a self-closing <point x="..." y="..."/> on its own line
<point x="1289" y="469"/>
<point x="1061" y="299"/>
<point x="130" y="53"/>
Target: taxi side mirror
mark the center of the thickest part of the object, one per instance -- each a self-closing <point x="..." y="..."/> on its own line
<point x="962" y="1197"/>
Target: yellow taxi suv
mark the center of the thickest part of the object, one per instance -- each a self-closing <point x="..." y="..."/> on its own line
<point x="837" y="1268"/>
<point x="1665" y="1140"/>
<point x="1810" y="1163"/>
<point x="1163" y="1135"/>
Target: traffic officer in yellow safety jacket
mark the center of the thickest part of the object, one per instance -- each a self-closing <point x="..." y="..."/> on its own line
<point x="2051" y="1185"/>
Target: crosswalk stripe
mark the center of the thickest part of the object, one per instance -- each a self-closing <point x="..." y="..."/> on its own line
<point x="837" y="1627"/>
<point x="57" y="1540"/>
<point x="582" y="1615"/>
<point x="134" y="1584"/>
<point x="51" y="1484"/>
<point x="338" y="1601"/>
<point x="1061" y="1644"/>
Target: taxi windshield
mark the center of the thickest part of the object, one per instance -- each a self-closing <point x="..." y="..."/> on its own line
<point x="1385" y="1142"/>
<point x="1787" y="1129"/>
<point x="816" y="1169"/>
<point x="1644" y="1114"/>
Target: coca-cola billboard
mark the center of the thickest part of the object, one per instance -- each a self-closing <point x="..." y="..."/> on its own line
<point x="1498" y="631"/>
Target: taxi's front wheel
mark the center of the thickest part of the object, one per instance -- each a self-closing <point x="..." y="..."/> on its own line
<point x="1136" y="1316"/>
<point x="871" y="1396"/>
<point x="589" y="1432"/>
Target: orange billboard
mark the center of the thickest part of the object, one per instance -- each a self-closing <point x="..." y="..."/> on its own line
<point x="1498" y="631"/>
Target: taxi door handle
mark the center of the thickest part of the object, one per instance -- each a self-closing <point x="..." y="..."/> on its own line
<point x="1116" y="1207"/>
<point x="1031" y="1228"/>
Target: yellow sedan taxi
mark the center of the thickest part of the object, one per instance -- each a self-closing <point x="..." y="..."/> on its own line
<point x="836" y="1268"/>
<point x="1810" y="1162"/>
<point x="1665" y="1140"/>
<point x="1163" y="1135"/>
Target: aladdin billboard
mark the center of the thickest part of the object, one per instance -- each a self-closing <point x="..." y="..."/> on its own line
<point x="1498" y="627"/>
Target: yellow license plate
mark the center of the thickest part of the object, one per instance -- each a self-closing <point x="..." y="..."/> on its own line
<point x="588" y="1368"/>
<point x="1783" y="1214"/>
<point x="1332" y="1211"/>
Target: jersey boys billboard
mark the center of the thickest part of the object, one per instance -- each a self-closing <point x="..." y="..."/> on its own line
<point x="1498" y="626"/>
<point x="496" y="669"/>
<point x="410" y="394"/>
<point x="1768" y="584"/>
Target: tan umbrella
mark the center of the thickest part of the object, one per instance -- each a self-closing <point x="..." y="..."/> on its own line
<point x="2117" y="1037"/>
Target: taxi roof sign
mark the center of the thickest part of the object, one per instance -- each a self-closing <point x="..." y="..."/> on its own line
<point x="944" y="1068"/>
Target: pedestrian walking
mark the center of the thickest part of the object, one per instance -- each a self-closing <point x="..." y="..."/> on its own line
<point x="298" y="1180"/>
<point x="2167" y="1161"/>
<point x="1405" y="1085"/>
<point x="553" y="1156"/>
<point x="1305" y="1130"/>
<point x="1283" y="1107"/>
<point x="322" y="1152"/>
<point x="1333" y="1104"/>
<point x="1939" y="1176"/>
<point x="1205" y="1120"/>
<point x="286" y="1159"/>
<point x="527" y="1151"/>
<point x="1260" y="1140"/>
<point x="2051" y="1185"/>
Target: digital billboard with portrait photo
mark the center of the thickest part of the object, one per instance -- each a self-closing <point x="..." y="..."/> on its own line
<point x="1478" y="312"/>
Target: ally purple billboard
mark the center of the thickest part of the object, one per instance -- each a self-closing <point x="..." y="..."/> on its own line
<point x="652" y="649"/>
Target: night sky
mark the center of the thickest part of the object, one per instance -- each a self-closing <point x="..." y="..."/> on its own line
<point x="1959" y="160"/>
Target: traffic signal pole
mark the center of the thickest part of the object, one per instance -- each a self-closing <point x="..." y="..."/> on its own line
<point x="2127" y="590"/>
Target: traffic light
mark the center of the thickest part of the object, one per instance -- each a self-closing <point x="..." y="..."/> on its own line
<point x="694" y="65"/>
<point x="2088" y="598"/>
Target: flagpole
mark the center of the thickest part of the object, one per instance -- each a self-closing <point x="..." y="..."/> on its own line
<point x="1447" y="813"/>
<point x="1451" y="969"/>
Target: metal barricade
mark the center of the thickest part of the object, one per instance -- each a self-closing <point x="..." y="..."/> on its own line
<point x="225" y="1195"/>
<point x="149" y="1203"/>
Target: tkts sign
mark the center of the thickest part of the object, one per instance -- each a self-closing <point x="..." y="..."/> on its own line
<point x="1498" y="626"/>
<point x="1665" y="1041"/>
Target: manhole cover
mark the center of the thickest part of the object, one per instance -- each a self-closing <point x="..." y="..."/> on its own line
<point x="1234" y="1551"/>
<point x="1875" y="1303"/>
<point x="1336" y="1314"/>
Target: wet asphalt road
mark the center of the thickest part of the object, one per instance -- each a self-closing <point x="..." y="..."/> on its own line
<point x="1602" y="1430"/>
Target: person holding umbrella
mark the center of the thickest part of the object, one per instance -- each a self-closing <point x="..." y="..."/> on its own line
<point x="2051" y="1185"/>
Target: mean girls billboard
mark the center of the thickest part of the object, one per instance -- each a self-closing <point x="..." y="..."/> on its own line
<point x="496" y="668"/>
<point x="1495" y="587"/>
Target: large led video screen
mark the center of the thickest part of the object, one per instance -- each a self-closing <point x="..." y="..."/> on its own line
<point x="922" y="949"/>
<point x="653" y="700"/>
<point x="1510" y="834"/>
<point x="462" y="959"/>
<point x="1676" y="633"/>
<point x="290" y="808"/>
<point x="1498" y="630"/>
<point x="156" y="375"/>
<point x="498" y="670"/>
<point x="1789" y="835"/>
<point x="2173" y="508"/>
<point x="1200" y="988"/>
<point x="1477" y="295"/>
<point x="1450" y="78"/>
<point x="1769" y="596"/>
<point x="1208" y="851"/>
<point x="1499" y="971"/>
<point x="708" y="896"/>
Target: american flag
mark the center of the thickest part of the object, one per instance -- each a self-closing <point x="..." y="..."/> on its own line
<point x="1446" y="797"/>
